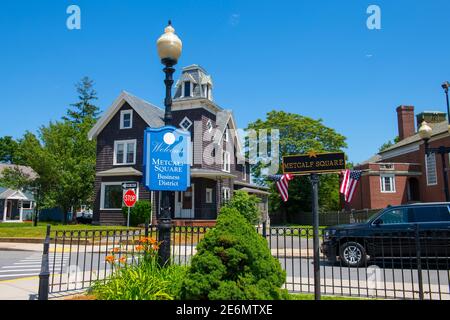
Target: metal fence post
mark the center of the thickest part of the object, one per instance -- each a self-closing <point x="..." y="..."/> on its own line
<point x="146" y="229"/>
<point x="264" y="230"/>
<point x="44" y="275"/>
<point x="419" y="262"/>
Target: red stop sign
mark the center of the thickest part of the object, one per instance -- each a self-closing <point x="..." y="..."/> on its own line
<point x="129" y="198"/>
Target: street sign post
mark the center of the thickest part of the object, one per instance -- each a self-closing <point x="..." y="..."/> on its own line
<point x="314" y="164"/>
<point x="129" y="185"/>
<point x="129" y="198"/>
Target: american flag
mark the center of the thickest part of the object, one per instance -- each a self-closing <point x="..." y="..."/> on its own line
<point x="282" y="181"/>
<point x="349" y="182"/>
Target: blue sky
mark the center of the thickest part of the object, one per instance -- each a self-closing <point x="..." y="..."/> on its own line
<point x="313" y="58"/>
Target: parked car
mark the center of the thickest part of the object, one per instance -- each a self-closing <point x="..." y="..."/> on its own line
<point x="391" y="233"/>
<point x="85" y="217"/>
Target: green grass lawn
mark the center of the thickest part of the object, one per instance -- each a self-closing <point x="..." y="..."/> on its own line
<point x="26" y="229"/>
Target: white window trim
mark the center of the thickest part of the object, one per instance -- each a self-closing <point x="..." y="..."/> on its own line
<point x="245" y="171"/>
<point x="122" y="114"/>
<point x="125" y="151"/>
<point x="209" y="123"/>
<point x="184" y="119"/>
<point x="226" y="159"/>
<point x="209" y="191"/>
<point x="435" y="170"/>
<point x="392" y="177"/>
<point x="226" y="194"/>
<point x="102" y="194"/>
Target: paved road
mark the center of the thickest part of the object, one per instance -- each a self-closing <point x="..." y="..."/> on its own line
<point x="22" y="264"/>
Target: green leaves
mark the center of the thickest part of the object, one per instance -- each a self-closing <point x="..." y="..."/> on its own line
<point x="61" y="154"/>
<point x="247" y="205"/>
<point x="233" y="262"/>
<point x="146" y="281"/>
<point x="139" y="214"/>
<point x="298" y="135"/>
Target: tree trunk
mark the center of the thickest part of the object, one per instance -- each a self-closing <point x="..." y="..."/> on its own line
<point x="64" y="215"/>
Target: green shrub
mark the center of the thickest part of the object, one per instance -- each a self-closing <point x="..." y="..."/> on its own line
<point x="146" y="281"/>
<point x="233" y="262"/>
<point x="139" y="214"/>
<point x="247" y="205"/>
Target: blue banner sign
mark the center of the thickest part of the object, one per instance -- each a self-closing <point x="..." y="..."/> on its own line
<point x="167" y="159"/>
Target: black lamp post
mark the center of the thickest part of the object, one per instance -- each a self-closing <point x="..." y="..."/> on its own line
<point x="425" y="132"/>
<point x="169" y="50"/>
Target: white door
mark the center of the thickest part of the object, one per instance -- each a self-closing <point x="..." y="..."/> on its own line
<point x="184" y="204"/>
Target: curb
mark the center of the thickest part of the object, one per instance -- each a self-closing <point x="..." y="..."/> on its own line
<point x="22" y="240"/>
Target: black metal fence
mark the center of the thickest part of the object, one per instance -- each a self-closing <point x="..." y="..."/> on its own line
<point x="74" y="260"/>
<point x="326" y="218"/>
<point x="400" y="264"/>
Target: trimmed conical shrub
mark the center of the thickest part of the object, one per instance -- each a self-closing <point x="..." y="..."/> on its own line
<point x="233" y="262"/>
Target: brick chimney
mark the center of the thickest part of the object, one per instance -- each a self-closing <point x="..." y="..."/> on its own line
<point x="405" y="117"/>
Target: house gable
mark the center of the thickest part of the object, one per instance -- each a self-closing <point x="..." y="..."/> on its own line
<point x="151" y="114"/>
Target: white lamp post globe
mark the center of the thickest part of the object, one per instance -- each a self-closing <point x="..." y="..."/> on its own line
<point x="425" y="131"/>
<point x="169" y="45"/>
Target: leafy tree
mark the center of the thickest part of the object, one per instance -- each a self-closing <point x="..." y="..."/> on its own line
<point x="389" y="144"/>
<point x="62" y="155"/>
<point x="84" y="110"/>
<point x="16" y="179"/>
<point x="233" y="262"/>
<point x="298" y="135"/>
<point x="8" y="148"/>
<point x="247" y="205"/>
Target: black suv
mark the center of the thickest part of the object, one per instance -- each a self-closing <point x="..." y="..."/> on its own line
<point x="391" y="233"/>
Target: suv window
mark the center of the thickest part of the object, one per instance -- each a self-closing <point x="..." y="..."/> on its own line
<point x="395" y="216"/>
<point x="431" y="214"/>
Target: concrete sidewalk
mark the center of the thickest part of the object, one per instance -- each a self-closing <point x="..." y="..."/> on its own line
<point x="13" y="246"/>
<point x="19" y="289"/>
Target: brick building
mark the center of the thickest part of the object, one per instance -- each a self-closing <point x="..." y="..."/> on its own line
<point x="402" y="173"/>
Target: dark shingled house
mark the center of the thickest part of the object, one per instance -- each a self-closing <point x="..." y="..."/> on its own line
<point x="218" y="167"/>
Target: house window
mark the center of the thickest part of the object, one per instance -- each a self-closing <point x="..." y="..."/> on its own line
<point x="125" y="152"/>
<point x="126" y="119"/>
<point x="430" y="165"/>
<point x="27" y="205"/>
<point x="226" y="159"/>
<point x="209" y="126"/>
<point x="209" y="195"/>
<point x="186" y="123"/>
<point x="226" y="194"/>
<point x="187" y="92"/>
<point x="387" y="183"/>
<point x="226" y="135"/>
<point x="111" y="196"/>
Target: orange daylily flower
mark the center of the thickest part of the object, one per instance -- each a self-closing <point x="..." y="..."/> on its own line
<point x="123" y="259"/>
<point x="110" y="259"/>
<point x="116" y="250"/>
<point x="143" y="240"/>
<point x="155" y="247"/>
<point x="139" y="248"/>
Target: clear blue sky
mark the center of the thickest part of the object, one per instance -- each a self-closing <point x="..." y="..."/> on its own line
<point x="315" y="58"/>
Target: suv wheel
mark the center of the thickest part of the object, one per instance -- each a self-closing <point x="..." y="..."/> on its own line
<point x="353" y="254"/>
